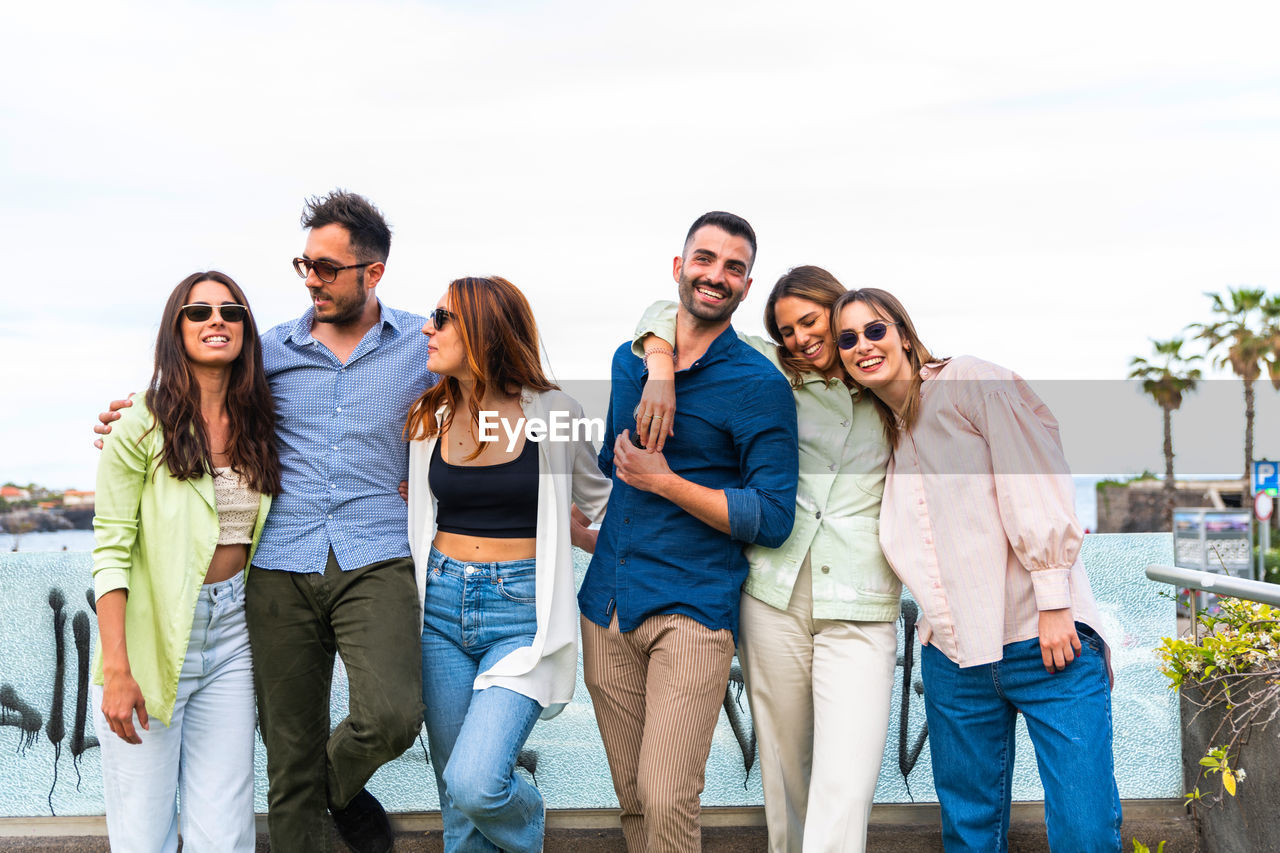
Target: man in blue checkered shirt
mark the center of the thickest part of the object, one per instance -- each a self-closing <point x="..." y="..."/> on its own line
<point x="333" y="570"/>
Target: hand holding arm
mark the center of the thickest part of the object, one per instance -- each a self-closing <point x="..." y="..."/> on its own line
<point x="648" y="471"/>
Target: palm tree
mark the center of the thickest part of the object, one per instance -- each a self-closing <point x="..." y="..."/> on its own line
<point x="1166" y="379"/>
<point x="1239" y="340"/>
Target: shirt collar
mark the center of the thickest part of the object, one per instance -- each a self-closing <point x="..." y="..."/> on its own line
<point x="721" y="345"/>
<point x="300" y="333"/>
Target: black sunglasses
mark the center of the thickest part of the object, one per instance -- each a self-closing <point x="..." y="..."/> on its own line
<point x="326" y="271"/>
<point x="229" y="312"/>
<point x="874" y="332"/>
<point x="439" y="317"/>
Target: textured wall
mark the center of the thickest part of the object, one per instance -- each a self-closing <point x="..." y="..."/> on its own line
<point x="46" y="767"/>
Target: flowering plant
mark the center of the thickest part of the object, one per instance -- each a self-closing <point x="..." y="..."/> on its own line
<point x="1241" y="637"/>
<point x="1233" y="665"/>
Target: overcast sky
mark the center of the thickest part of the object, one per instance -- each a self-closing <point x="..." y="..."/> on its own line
<point x="1044" y="185"/>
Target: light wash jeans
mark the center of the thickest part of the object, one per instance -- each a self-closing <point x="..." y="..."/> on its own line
<point x="971" y="714"/>
<point x="205" y="754"/>
<point x="474" y="615"/>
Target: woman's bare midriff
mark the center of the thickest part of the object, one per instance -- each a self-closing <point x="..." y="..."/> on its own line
<point x="228" y="561"/>
<point x="482" y="549"/>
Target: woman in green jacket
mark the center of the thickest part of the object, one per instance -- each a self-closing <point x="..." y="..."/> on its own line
<point x="184" y="484"/>
<point x="818" y="639"/>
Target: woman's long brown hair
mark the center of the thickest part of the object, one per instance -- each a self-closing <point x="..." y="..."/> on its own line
<point x="812" y="284"/>
<point x="174" y="400"/>
<point x="888" y="308"/>
<point x="500" y="340"/>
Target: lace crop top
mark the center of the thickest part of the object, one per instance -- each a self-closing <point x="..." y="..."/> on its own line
<point x="237" y="507"/>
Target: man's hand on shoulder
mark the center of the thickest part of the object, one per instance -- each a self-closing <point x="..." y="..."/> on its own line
<point x="112" y="414"/>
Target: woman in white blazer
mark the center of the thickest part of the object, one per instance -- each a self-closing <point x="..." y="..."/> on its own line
<point x="491" y="492"/>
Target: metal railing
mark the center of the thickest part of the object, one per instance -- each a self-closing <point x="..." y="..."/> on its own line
<point x="1218" y="584"/>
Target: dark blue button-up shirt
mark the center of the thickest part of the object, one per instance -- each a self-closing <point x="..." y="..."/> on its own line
<point x="735" y="431"/>
<point x="342" y="456"/>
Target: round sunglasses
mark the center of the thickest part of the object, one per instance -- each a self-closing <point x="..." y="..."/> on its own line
<point x="874" y="332"/>
<point x="229" y="312"/>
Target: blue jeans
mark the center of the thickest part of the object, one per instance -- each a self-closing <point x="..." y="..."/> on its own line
<point x="205" y="753"/>
<point x="474" y="615"/>
<point x="971" y="714"/>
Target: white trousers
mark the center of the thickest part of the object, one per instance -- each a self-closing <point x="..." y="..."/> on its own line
<point x="205" y="753"/>
<point x="819" y="691"/>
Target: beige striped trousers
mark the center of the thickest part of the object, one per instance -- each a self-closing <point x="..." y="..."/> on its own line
<point x="657" y="693"/>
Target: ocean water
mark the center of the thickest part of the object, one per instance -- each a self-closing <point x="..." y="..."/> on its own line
<point x="57" y="540"/>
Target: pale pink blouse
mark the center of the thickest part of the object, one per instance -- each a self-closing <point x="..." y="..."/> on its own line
<point x="979" y="518"/>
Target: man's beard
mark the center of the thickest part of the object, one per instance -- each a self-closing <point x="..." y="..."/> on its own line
<point x="344" y="311"/>
<point x="710" y="314"/>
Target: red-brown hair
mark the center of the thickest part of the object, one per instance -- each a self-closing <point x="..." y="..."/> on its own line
<point x="500" y="342"/>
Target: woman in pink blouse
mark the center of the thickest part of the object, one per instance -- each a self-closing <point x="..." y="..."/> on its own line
<point x="978" y="520"/>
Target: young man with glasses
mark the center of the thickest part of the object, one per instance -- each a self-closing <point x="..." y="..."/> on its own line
<point x="333" y="572"/>
<point x="660" y="599"/>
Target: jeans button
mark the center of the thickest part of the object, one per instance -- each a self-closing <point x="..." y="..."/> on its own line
<point x="471" y="570"/>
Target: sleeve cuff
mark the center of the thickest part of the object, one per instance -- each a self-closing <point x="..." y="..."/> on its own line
<point x="1052" y="588"/>
<point x="744" y="514"/>
<point x="105" y="580"/>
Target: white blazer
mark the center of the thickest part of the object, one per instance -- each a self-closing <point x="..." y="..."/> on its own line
<point x="567" y="474"/>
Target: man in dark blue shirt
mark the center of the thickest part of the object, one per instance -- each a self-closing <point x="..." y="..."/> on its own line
<point x="660" y="599"/>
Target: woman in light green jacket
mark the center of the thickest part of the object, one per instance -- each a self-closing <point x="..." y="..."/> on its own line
<point x="818" y="639"/>
<point x="184" y="484"/>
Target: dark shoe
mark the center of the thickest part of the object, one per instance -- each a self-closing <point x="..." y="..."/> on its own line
<point x="363" y="824"/>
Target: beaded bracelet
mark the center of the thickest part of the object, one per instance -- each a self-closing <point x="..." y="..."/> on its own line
<point x="655" y="350"/>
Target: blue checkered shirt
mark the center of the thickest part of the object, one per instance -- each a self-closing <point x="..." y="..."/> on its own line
<point x="342" y="457"/>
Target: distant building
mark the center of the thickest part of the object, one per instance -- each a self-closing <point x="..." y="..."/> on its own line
<point x="73" y="499"/>
<point x="13" y="493"/>
<point x="47" y="505"/>
<point x="1138" y="506"/>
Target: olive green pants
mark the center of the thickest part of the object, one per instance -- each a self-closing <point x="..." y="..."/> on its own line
<point x="297" y="621"/>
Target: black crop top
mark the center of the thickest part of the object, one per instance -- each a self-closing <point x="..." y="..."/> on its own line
<point x="495" y="501"/>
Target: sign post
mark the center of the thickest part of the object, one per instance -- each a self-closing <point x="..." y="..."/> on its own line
<point x="1266" y="486"/>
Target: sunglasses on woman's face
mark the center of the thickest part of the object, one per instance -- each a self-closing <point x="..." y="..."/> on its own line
<point x="439" y="317"/>
<point x="874" y="332"/>
<point x="198" y="312"/>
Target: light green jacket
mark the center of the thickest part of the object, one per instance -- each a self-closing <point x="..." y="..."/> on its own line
<point x="153" y="536"/>
<point x="843" y="455"/>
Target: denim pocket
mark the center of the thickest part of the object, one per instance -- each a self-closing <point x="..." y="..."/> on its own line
<point x="1089" y="638"/>
<point x="521" y="588"/>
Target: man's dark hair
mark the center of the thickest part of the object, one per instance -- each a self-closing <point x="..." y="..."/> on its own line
<point x="369" y="232"/>
<point x="728" y="222"/>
